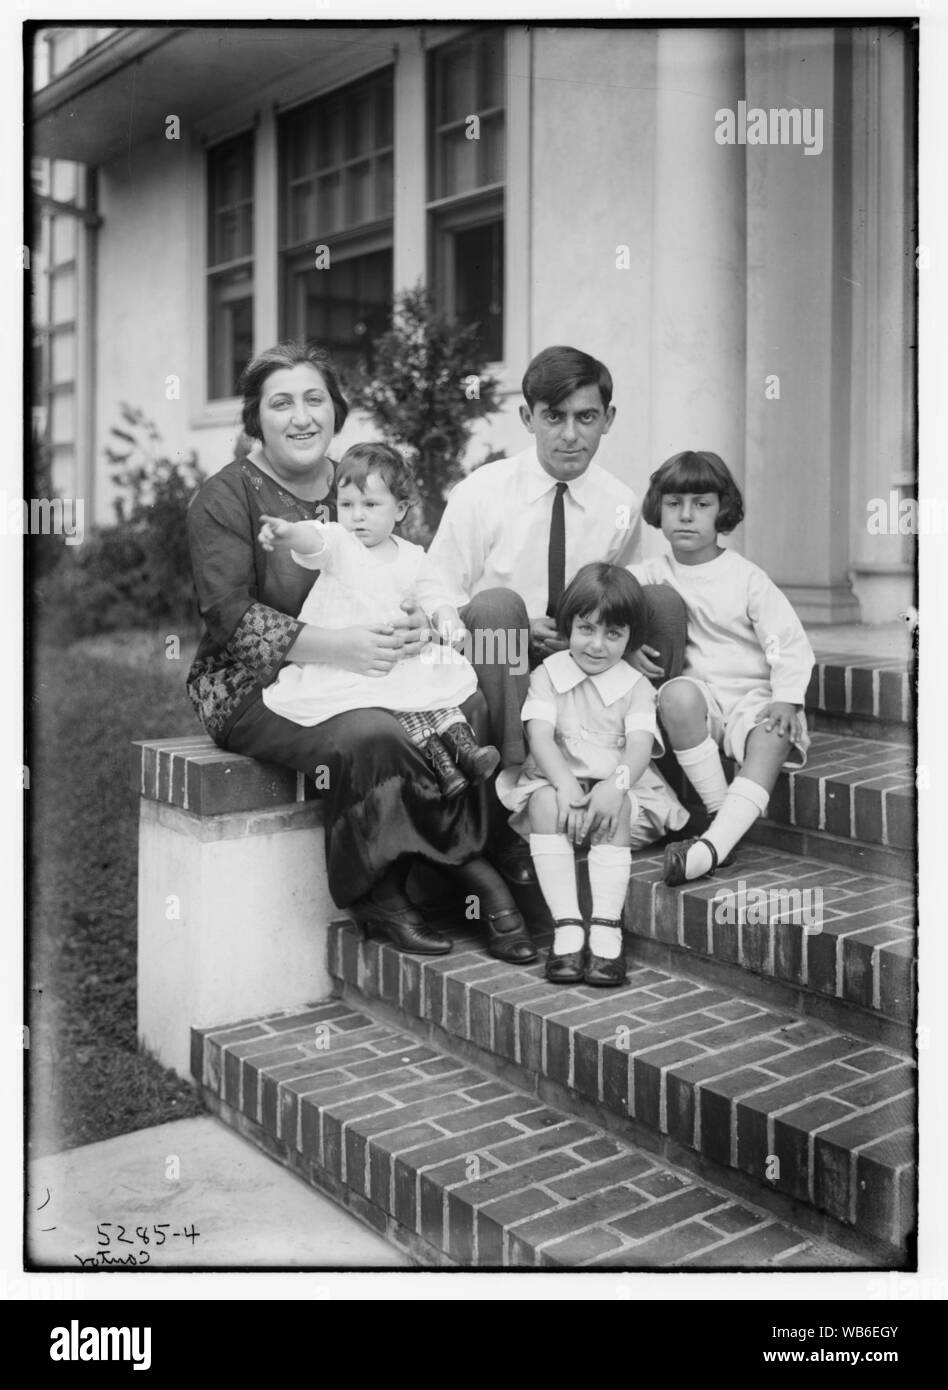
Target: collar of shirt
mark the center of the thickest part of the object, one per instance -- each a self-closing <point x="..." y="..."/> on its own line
<point x="539" y="481"/>
<point x="612" y="684"/>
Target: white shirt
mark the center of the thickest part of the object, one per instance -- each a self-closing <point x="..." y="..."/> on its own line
<point x="495" y="530"/>
<point x="742" y="631"/>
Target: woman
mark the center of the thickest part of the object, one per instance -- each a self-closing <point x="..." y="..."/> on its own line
<point x="382" y="804"/>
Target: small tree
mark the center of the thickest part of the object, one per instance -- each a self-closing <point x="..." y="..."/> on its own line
<point x="426" y="388"/>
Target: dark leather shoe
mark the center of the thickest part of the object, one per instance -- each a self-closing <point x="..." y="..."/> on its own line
<point x="508" y="937"/>
<point x="516" y="865"/>
<point x="601" y="970"/>
<point x="404" y="926"/>
<point x="673" y="867"/>
<point x="476" y="761"/>
<point x="566" y="969"/>
<point x="450" y="778"/>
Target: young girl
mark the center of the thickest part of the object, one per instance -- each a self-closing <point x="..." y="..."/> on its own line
<point x="590" y="721"/>
<point x="366" y="573"/>
<point x="747" y="664"/>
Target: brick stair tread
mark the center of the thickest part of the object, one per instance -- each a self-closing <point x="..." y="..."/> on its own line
<point x="715" y="1073"/>
<point x="856" y="943"/>
<point x="859" y="788"/>
<point x="422" y="1144"/>
<point x="877" y="688"/>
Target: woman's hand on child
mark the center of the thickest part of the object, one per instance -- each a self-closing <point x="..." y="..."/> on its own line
<point x="644" y="660"/>
<point x="607" y="803"/>
<point x="368" y="651"/>
<point x="412" y="630"/>
<point x="781" y="717"/>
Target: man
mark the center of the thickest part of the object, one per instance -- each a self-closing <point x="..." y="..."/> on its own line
<point x="515" y="531"/>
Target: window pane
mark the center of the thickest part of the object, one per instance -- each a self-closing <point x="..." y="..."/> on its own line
<point x="492" y="70"/>
<point x="65" y="238"/>
<point x="492" y="151"/>
<point x="230" y="200"/>
<point x="62" y="287"/>
<point x="62" y="357"/>
<point x="479" y="282"/>
<point x="458" y="164"/>
<point x="230" y="335"/>
<point x="63" y="418"/>
<point x="456" y="83"/>
<point x="345" y="132"/>
<point x="344" y="311"/>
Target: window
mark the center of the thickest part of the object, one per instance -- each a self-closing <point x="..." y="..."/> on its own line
<point x="467" y="169"/>
<point x="336" y="223"/>
<point x="229" y="263"/>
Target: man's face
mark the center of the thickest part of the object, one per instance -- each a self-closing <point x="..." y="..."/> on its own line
<point x="568" y="433"/>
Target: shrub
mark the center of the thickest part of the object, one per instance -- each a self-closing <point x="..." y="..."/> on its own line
<point x="136" y="572"/>
<point x="421" y="393"/>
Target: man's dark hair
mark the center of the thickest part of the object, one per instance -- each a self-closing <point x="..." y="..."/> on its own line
<point x="557" y="372"/>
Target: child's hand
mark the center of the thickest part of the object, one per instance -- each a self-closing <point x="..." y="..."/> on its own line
<point x="275" y="533"/>
<point x="781" y="717"/>
<point x="571" y="802"/>
<point x="607" y="804"/>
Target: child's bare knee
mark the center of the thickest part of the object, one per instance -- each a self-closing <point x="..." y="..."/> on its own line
<point x="679" y="699"/>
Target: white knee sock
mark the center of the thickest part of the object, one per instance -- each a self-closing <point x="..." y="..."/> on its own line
<point x="745" y="801"/>
<point x="702" y="766"/>
<point x="609" y="867"/>
<point x="555" y="864"/>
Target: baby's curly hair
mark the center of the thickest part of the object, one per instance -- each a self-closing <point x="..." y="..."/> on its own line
<point x="362" y="459"/>
<point x="695" y="471"/>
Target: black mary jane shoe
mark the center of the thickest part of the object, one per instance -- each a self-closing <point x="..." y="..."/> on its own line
<point x="673" y="867"/>
<point x="566" y="969"/>
<point x="404" y="927"/>
<point x="602" y="971"/>
<point x="508" y="937"/>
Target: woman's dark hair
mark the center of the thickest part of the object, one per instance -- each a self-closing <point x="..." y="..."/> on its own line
<point x="362" y="459"/>
<point x="695" y="471"/>
<point x="285" y="355"/>
<point x="609" y="591"/>
<point x="557" y="372"/>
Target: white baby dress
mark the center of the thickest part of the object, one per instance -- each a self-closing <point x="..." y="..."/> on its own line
<point x="355" y="588"/>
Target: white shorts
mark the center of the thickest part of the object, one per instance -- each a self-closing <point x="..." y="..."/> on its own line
<point x="730" y="731"/>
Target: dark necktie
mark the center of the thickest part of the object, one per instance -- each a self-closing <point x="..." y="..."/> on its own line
<point x="556" y="563"/>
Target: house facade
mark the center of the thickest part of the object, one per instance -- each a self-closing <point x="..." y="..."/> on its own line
<point x="725" y="215"/>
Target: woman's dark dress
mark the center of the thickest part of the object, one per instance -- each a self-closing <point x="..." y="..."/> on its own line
<point x="381" y="800"/>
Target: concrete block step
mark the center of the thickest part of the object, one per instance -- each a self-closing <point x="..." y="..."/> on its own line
<point x="462" y="1169"/>
<point x="768" y="1101"/>
<point x="834" y="942"/>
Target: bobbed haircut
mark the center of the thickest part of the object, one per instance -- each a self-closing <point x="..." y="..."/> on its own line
<point x="609" y="591"/>
<point x="274" y="359"/>
<point x="695" y="471"/>
<point x="362" y="459"/>
<point x="557" y="372"/>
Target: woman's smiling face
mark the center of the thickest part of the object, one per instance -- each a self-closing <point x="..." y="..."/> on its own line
<point x="297" y="420"/>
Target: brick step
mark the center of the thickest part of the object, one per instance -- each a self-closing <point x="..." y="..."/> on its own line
<point x="776" y="1107"/>
<point x="847" y="725"/>
<point x="461" y="1169"/>
<point x="828" y="941"/>
<point x="865" y="691"/>
<point x="855" y="855"/>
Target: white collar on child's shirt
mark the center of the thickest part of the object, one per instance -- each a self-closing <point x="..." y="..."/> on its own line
<point x="611" y="684"/>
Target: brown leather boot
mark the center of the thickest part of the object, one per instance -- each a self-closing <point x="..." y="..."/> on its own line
<point x="477" y="761"/>
<point x="450" y="778"/>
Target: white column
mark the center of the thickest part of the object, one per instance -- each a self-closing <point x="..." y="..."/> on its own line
<point x="698" y="281"/>
<point x="409" y="264"/>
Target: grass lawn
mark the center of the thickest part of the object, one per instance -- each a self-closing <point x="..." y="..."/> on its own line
<point x="87" y="1078"/>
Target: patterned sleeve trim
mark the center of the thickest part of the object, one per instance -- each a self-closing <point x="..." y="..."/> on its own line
<point x="261" y="640"/>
